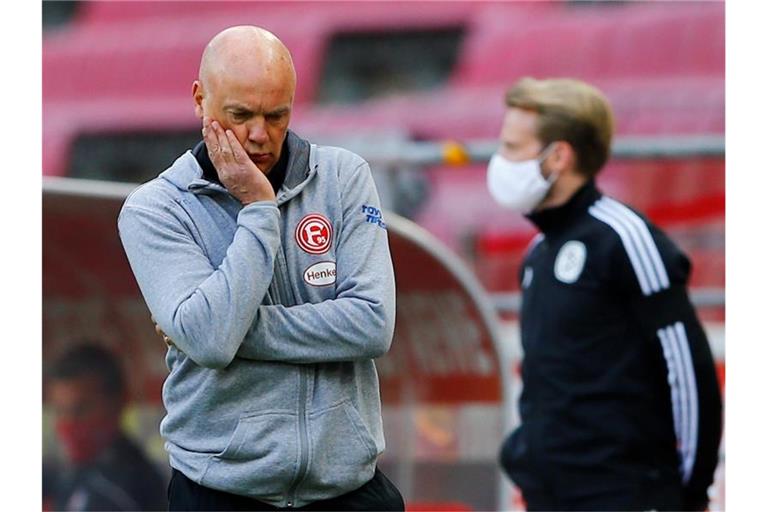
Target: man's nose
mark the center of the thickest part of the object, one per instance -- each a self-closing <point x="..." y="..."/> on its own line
<point x="257" y="131"/>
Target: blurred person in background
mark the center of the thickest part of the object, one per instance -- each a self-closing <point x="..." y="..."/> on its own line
<point x="103" y="470"/>
<point x="265" y="264"/>
<point x="620" y="407"/>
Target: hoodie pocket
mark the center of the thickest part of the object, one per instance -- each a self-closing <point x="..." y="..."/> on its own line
<point x="260" y="459"/>
<point x="344" y="451"/>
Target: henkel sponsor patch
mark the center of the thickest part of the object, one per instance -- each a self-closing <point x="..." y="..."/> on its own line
<point x="321" y="274"/>
<point x="314" y="234"/>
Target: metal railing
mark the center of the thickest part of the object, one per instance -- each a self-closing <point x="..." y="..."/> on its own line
<point x="395" y="153"/>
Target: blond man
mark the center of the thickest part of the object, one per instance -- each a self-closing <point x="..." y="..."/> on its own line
<point x="621" y="408"/>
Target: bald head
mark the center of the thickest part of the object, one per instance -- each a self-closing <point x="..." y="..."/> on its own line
<point x="247" y="52"/>
<point x="247" y="84"/>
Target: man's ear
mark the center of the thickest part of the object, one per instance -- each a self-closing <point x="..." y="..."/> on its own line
<point x="197" y="96"/>
<point x="563" y="157"/>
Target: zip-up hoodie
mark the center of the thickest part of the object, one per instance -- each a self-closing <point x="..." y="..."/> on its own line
<point x="276" y="311"/>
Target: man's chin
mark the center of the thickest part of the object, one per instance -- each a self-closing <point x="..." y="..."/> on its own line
<point x="263" y="166"/>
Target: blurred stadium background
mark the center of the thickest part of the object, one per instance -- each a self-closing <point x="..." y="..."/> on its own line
<point x="417" y="88"/>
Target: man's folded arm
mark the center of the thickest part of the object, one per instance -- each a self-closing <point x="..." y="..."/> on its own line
<point x="206" y="311"/>
<point x="358" y="323"/>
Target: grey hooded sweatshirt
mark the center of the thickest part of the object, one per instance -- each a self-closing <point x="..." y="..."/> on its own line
<point x="276" y="312"/>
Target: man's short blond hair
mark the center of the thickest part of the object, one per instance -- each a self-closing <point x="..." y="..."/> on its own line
<point x="569" y="110"/>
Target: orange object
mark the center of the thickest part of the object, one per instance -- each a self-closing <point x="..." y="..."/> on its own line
<point x="454" y="153"/>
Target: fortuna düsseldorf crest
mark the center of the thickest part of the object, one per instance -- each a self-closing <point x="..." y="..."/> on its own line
<point x="314" y="234"/>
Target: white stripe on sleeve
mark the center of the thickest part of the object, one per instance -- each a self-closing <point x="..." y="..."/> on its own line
<point x="647" y="240"/>
<point x="693" y="397"/>
<point x="629" y="247"/>
<point x="682" y="384"/>
<point x="673" y="379"/>
<point x="678" y="391"/>
<point x="638" y="243"/>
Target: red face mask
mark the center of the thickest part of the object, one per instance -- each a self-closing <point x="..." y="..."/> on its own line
<point x="84" y="440"/>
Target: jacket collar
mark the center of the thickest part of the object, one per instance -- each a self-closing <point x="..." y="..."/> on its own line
<point x="551" y="220"/>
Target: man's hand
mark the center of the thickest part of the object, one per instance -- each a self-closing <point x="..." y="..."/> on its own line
<point x="235" y="169"/>
<point x="159" y="331"/>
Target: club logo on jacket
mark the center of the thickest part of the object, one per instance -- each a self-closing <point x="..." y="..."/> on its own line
<point x="321" y="274"/>
<point x="314" y="234"/>
<point x="570" y="261"/>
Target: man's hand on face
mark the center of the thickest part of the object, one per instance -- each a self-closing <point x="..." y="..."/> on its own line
<point x="235" y="169"/>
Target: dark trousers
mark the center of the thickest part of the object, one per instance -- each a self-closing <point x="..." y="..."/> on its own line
<point x="648" y="493"/>
<point x="550" y="488"/>
<point x="378" y="494"/>
<point x="662" y="498"/>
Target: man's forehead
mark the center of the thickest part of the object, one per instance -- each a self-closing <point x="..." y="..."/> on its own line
<point x="247" y="89"/>
<point x="256" y="101"/>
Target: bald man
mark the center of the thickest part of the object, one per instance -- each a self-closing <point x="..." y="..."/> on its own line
<point x="274" y="290"/>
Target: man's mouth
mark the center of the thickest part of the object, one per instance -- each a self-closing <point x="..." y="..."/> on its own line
<point x="260" y="157"/>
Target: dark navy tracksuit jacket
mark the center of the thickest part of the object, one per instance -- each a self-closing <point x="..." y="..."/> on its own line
<point x="620" y="405"/>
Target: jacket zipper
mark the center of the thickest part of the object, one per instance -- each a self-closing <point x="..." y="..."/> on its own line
<point x="303" y="450"/>
<point x="286" y="292"/>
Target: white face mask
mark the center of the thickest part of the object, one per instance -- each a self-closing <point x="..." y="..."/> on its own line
<point x="518" y="186"/>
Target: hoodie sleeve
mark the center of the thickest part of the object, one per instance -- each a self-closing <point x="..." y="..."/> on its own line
<point x="653" y="271"/>
<point x="206" y="311"/>
<point x="358" y="323"/>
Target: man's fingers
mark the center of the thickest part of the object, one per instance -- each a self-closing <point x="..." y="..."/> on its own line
<point x="217" y="143"/>
<point x="238" y="153"/>
<point x="209" y="136"/>
<point x="225" y="151"/>
<point x="165" y="337"/>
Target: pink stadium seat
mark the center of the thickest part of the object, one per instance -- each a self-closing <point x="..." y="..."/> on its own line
<point x="597" y="43"/>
